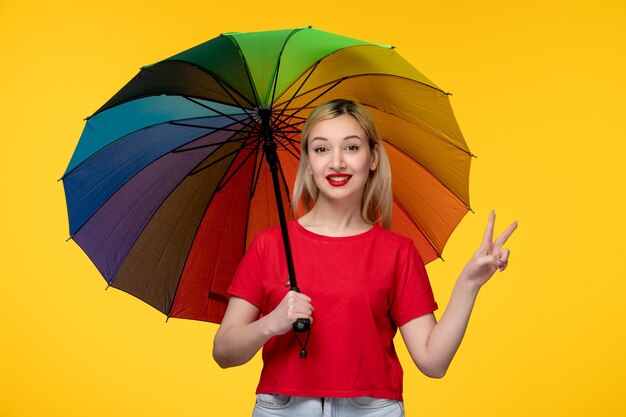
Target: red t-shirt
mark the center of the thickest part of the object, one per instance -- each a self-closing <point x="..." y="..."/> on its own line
<point x="362" y="287"/>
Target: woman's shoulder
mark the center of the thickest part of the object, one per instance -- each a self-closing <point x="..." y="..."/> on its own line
<point x="392" y="238"/>
<point x="266" y="237"/>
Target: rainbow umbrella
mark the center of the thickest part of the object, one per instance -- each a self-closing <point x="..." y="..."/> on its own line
<point x="174" y="175"/>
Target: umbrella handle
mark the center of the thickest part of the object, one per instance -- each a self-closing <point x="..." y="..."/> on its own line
<point x="269" y="146"/>
<point x="300" y="325"/>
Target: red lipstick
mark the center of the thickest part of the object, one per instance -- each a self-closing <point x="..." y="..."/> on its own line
<point x="338" y="180"/>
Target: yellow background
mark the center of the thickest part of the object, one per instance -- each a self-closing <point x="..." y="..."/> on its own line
<point x="539" y="93"/>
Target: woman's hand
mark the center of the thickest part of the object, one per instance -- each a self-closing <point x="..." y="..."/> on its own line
<point x="242" y="333"/>
<point x="432" y="345"/>
<point x="292" y="307"/>
<point x="491" y="256"/>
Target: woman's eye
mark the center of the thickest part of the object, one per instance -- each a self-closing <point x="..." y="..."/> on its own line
<point x="319" y="149"/>
<point x="352" y="148"/>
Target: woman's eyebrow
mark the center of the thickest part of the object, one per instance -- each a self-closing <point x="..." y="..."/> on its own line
<point x="346" y="138"/>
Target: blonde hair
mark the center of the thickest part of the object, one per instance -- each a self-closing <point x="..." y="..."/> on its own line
<point x="377" y="196"/>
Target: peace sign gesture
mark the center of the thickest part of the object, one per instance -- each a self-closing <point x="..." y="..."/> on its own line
<point x="489" y="257"/>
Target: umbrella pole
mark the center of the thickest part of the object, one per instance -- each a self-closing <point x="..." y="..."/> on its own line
<point x="269" y="146"/>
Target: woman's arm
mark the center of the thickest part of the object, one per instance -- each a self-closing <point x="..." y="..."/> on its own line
<point x="432" y="345"/>
<point x="242" y="333"/>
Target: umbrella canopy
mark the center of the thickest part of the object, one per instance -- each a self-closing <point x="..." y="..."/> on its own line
<point x="168" y="182"/>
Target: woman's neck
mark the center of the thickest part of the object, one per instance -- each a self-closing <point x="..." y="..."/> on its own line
<point x="334" y="220"/>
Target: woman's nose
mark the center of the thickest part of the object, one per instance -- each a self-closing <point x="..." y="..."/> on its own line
<point x="337" y="162"/>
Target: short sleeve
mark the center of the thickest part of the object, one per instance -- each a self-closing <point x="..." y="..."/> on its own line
<point x="412" y="295"/>
<point x="248" y="279"/>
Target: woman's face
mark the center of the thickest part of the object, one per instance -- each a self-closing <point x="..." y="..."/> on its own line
<point x="340" y="159"/>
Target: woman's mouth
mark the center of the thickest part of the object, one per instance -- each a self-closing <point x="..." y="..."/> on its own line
<point x="338" y="180"/>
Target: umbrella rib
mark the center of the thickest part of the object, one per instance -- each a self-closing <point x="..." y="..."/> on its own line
<point x="211" y="108"/>
<point x="286" y="148"/>
<point x="410" y="218"/>
<point x="234" y="99"/>
<point x="193" y="148"/>
<point x="252" y="184"/>
<point x="216" y="161"/>
<point x="318" y="96"/>
<point x="294" y="145"/>
<point x="212" y="144"/>
<point x="288" y="140"/>
<point x="302" y="119"/>
<point x="245" y="64"/>
<point x="223" y="183"/>
<point x="280" y="56"/>
<point x="283" y="135"/>
<point x="290" y="151"/>
<point x="221" y="82"/>
<point x="258" y="172"/>
<point x="225" y="129"/>
<point x="254" y="169"/>
<point x="282" y="123"/>
<point x="286" y="132"/>
<point x="431" y="174"/>
<point x="291" y="125"/>
<point x="287" y="193"/>
<point x="282" y="111"/>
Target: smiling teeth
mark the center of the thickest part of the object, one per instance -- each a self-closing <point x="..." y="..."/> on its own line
<point x="338" y="179"/>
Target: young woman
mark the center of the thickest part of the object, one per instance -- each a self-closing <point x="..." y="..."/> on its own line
<point x="359" y="281"/>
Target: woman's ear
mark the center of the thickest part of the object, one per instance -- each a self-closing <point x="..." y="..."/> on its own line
<point x="374" y="155"/>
